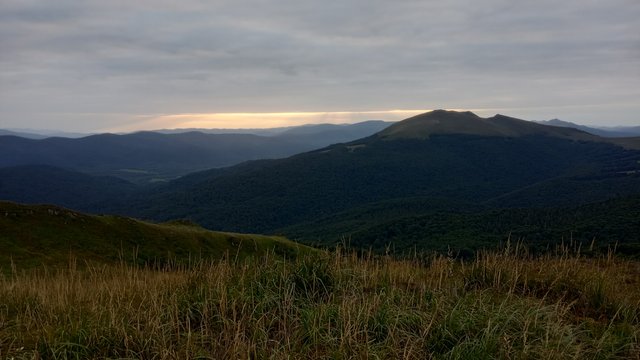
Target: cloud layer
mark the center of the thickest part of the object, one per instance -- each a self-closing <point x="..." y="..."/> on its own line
<point x="88" y="65"/>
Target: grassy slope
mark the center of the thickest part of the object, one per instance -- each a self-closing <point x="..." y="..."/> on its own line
<point x="504" y="305"/>
<point x="44" y="234"/>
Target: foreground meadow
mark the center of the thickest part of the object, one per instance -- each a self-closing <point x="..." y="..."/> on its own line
<point x="505" y="304"/>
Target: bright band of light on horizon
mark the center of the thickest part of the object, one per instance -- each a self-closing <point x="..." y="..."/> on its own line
<point x="263" y="120"/>
<point x="260" y="120"/>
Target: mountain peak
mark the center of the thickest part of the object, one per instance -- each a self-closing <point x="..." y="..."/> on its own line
<point x="444" y="112"/>
<point x="437" y="122"/>
<point x="447" y="122"/>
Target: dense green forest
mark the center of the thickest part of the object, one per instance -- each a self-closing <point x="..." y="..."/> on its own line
<point x="486" y="171"/>
<point x="596" y="227"/>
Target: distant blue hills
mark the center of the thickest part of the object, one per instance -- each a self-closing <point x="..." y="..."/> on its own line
<point x="148" y="157"/>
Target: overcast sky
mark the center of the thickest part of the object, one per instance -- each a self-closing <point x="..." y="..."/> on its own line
<point x="98" y="65"/>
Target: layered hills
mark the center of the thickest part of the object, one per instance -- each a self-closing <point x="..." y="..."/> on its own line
<point x="456" y="168"/>
<point x="147" y="157"/>
<point x="616" y="131"/>
<point x="435" y="161"/>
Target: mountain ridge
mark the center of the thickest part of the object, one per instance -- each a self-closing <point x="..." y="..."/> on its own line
<point x="146" y="157"/>
<point x="274" y="194"/>
<point x="446" y="122"/>
<point x="501" y="162"/>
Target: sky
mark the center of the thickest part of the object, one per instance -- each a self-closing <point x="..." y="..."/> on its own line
<point x="122" y="65"/>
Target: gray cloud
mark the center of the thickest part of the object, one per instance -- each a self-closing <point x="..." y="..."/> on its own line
<point x="95" y="64"/>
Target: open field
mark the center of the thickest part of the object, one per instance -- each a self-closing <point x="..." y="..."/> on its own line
<point x="505" y="304"/>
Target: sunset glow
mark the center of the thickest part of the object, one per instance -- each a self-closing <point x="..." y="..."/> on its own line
<point x="263" y="120"/>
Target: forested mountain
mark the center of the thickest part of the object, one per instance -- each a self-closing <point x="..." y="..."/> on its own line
<point x="47" y="184"/>
<point x="601" y="226"/>
<point x="440" y="157"/>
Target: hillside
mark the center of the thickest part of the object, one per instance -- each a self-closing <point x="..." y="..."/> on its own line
<point x="147" y="157"/>
<point x="443" y="122"/>
<point x="142" y="157"/>
<point x="48" y="184"/>
<point x="599" y="226"/>
<point x="505" y="304"/>
<point x="35" y="235"/>
<point x="488" y="170"/>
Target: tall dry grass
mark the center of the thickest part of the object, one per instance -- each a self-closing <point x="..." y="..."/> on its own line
<point x="505" y="304"/>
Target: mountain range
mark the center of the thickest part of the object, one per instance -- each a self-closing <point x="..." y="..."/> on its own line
<point x="147" y="157"/>
<point x="615" y="131"/>
<point x="341" y="131"/>
<point x="41" y="134"/>
<point x="454" y="168"/>
<point x="439" y="161"/>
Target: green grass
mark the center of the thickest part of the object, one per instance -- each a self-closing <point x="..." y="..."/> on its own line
<point x="36" y="235"/>
<point x="114" y="287"/>
<point x="506" y="304"/>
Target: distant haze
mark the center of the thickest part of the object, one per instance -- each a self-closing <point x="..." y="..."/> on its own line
<point x="93" y="66"/>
